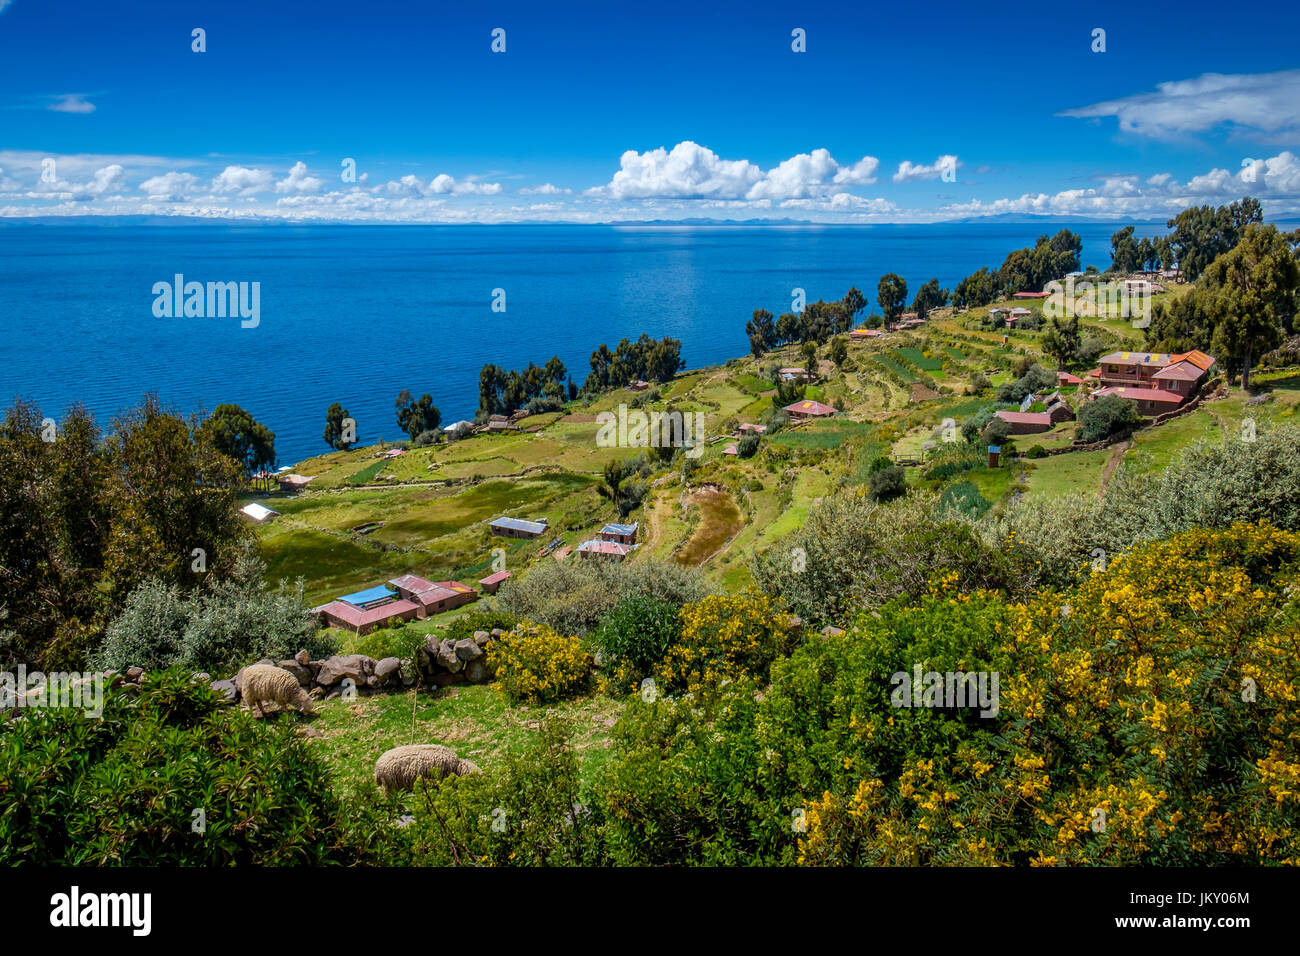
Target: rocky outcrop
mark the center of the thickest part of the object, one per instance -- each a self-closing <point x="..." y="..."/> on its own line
<point x="443" y="662"/>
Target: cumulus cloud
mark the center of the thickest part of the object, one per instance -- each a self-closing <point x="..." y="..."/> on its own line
<point x="1256" y="103"/>
<point x="72" y="103"/>
<point x="909" y="171"/>
<point x="298" y="181"/>
<point x="545" y="189"/>
<point x="692" y="171"/>
<point x="441" y="185"/>
<point x="170" y="187"/>
<point x="242" y="181"/>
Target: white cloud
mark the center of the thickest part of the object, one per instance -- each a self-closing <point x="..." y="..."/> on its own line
<point x="171" y="187"/>
<point x="298" y="181"/>
<point x="441" y="185"/>
<point x="1259" y="103"/>
<point x="909" y="171"/>
<point x="691" y="171"/>
<point x="242" y="181"/>
<point x="72" y="103"/>
<point x="545" y="189"/>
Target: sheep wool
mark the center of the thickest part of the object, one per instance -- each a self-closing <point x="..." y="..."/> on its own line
<point x="401" y="767"/>
<point x="261" y="684"/>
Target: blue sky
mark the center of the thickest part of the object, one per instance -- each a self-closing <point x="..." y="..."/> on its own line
<point x="607" y="111"/>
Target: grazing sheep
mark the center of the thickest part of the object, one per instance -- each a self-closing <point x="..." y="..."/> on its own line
<point x="401" y="767"/>
<point x="261" y="684"/>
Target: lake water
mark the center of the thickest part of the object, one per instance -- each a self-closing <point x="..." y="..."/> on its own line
<point x="355" y="314"/>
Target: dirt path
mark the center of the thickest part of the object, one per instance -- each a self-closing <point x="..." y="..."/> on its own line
<point x="1115" y="458"/>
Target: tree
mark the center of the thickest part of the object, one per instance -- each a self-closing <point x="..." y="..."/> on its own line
<point x="1107" y="416"/>
<point x="414" y="417"/>
<point x="1254" y="288"/>
<point x="1203" y="233"/>
<point x="855" y="302"/>
<point x="976" y="290"/>
<point x="761" y="331"/>
<point x="1062" y="341"/>
<point x="891" y="293"/>
<point x="491" y="389"/>
<point x="839" y="351"/>
<point x="334" y="426"/>
<point x="809" y="353"/>
<point x="788" y="327"/>
<point x="625" y="497"/>
<point x="1124" y="253"/>
<point x="236" y="434"/>
<point x="886" y="484"/>
<point x="928" y="298"/>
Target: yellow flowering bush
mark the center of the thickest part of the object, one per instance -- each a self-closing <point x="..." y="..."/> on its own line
<point x="724" y="638"/>
<point x="535" y="665"/>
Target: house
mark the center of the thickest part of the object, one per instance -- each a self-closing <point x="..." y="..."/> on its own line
<point x="863" y="334"/>
<point x="622" y="533"/>
<point x="1150" y="401"/>
<point x="1058" y="411"/>
<point x="731" y="450"/>
<point x="505" y="527"/>
<point x="258" y="513"/>
<point x="605" y="550"/>
<point x="1020" y="313"/>
<point x="1180" y="374"/>
<point x="394" y="452"/>
<point x="433" y="597"/>
<point x="639" y="385"/>
<point x="1026" y="423"/>
<point x="802" y="411"/>
<point x="294" y="483"/>
<point x="794" y="375"/>
<point x="750" y="429"/>
<point x="1031" y="295"/>
<point x="492" y="582"/>
<point x="1065" y="378"/>
<point x="364" y="611"/>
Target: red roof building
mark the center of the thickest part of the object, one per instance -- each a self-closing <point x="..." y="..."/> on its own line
<point x="803" y="410"/>
<point x="1031" y="295"/>
<point x="433" y="597"/>
<point x="350" y="617"/>
<point x="1150" y="401"/>
<point x="1065" y="378"/>
<point x="1026" y="423"/>
<point x="494" y="581"/>
<point x="605" y="550"/>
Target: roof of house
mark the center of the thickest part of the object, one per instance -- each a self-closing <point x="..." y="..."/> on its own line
<point x="1137" y="358"/>
<point x="750" y="427"/>
<point x="496" y="578"/>
<point x="1197" y="358"/>
<point x="1021" y="311"/>
<point x="358" y="617"/>
<point x="1182" y="371"/>
<point x="412" y="582"/>
<point x="731" y="450"/>
<point x="809" y="407"/>
<point x="606" y="547"/>
<point x="908" y="315"/>
<point x="615" y="528"/>
<point x="1024" y="418"/>
<point x="455" y="425"/>
<point x="1031" y="295"/>
<point x="868" y="333"/>
<point x="519" y="524"/>
<point x="1068" y="379"/>
<point x="1140" y="394"/>
<point x="293" y="479"/>
<point x="792" y="370"/>
<point x="258" y="512"/>
<point x="368" y="596"/>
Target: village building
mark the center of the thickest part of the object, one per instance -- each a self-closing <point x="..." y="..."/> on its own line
<point x="597" y="549"/>
<point x="1179" y="375"/>
<point x="806" y="409"/>
<point x="1150" y="401"/>
<point x="258" y="513"/>
<point x="505" y="527"/>
<point x="794" y="374"/>
<point x="492" y="582"/>
<point x="622" y="533"/>
<point x="433" y="597"/>
<point x="640" y="385"/>
<point x="864" y="334"/>
<point x="1065" y="378"/>
<point x="364" y="611"/>
<point x="294" y="483"/>
<point x="751" y="429"/>
<point x="1031" y="295"/>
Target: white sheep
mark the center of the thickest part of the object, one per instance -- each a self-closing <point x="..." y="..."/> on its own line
<point x="261" y="684"/>
<point x="401" y="767"/>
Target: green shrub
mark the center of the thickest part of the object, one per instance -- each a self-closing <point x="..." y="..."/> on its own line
<point x="1036" y="451"/>
<point x="887" y="484"/>
<point x="964" y="499"/>
<point x="122" y="789"/>
<point x="465" y="625"/>
<point x="637" y="633"/>
<point x="398" y="641"/>
<point x="1107" y="416"/>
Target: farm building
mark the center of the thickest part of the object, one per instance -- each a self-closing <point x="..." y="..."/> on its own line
<point x="1026" y="423"/>
<point x="1150" y="401"/>
<point x="1031" y="295"/>
<point x="433" y="597"/>
<point x="492" y="582"/>
<point x="258" y="513"/>
<point x="622" y="533"/>
<point x="292" y="482"/>
<point x="793" y="374"/>
<point x="505" y="527"/>
<point x="364" y="611"/>
<point x="605" y="550"/>
<point x="865" y="333"/>
<point x="748" y="428"/>
<point x="1180" y="374"/>
<point x="801" y="411"/>
<point x="1065" y="378"/>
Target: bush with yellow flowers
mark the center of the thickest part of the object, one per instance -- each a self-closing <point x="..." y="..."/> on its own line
<point x="724" y="638"/>
<point x="535" y="665"/>
<point x="1147" y="717"/>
